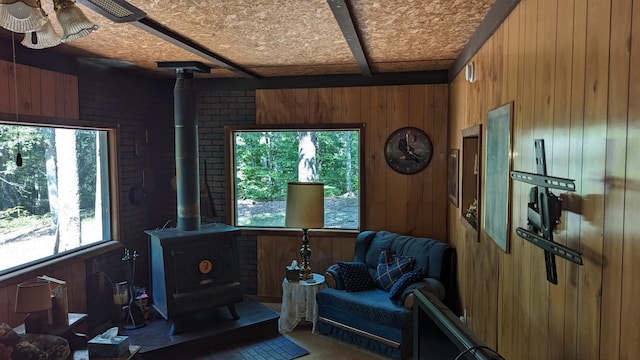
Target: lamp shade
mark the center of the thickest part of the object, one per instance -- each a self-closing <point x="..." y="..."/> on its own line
<point x="21" y="16"/>
<point x="305" y="205"/>
<point x="33" y="296"/>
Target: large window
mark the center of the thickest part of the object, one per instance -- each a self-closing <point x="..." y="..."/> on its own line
<point x="264" y="160"/>
<point x="55" y="193"/>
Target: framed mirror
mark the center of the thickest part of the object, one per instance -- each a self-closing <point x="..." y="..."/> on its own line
<point x="470" y="171"/>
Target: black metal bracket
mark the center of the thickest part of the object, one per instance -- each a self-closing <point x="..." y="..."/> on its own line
<point x="544" y="211"/>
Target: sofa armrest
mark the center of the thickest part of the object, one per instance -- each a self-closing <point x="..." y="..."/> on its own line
<point x="333" y="278"/>
<point x="430" y="285"/>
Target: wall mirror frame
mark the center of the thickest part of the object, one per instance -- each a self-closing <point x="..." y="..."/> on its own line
<point x="470" y="172"/>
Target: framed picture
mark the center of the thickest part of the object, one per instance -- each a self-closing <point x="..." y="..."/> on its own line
<point x="497" y="182"/>
<point x="453" y="173"/>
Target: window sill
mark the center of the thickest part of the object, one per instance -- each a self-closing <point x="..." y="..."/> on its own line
<point x="41" y="268"/>
<point x="296" y="232"/>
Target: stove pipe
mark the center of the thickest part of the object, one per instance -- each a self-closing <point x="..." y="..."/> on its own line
<point x="187" y="161"/>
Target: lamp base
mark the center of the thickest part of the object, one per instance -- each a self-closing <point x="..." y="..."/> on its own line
<point x="305" y="252"/>
<point x="36" y="322"/>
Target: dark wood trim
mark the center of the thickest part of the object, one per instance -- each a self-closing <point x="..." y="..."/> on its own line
<point x="298" y="232"/>
<point x="342" y="13"/>
<point x="41" y="59"/>
<point x="267" y="299"/>
<point x="36" y="120"/>
<point x="496" y="15"/>
<point x="326" y="81"/>
<point x="472" y="131"/>
<point x="58" y="262"/>
<point x="295" y="127"/>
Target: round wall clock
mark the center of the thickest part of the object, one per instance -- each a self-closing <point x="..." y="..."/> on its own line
<point x="408" y="150"/>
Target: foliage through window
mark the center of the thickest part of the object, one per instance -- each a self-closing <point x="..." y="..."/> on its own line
<point x="58" y="201"/>
<point x="265" y="160"/>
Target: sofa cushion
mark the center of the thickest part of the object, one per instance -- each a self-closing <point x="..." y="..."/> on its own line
<point x="390" y="268"/>
<point x="355" y="276"/>
<point x="367" y="307"/>
<point x="404" y="281"/>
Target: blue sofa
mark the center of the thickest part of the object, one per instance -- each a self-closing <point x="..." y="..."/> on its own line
<point x="356" y="311"/>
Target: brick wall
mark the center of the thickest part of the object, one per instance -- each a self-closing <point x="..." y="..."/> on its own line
<point x="143" y="110"/>
<point x="216" y="109"/>
<point x="132" y="105"/>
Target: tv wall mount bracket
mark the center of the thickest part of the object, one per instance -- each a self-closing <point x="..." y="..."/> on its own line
<point x="543" y="212"/>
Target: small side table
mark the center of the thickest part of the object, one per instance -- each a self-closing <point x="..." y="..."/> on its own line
<point x="76" y="340"/>
<point x="299" y="302"/>
<point x="129" y="355"/>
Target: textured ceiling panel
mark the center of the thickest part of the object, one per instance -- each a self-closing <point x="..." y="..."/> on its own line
<point x="283" y="38"/>
<point x="414" y="31"/>
<point x="257" y="32"/>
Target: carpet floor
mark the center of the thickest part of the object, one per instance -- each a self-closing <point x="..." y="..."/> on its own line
<point x="275" y="348"/>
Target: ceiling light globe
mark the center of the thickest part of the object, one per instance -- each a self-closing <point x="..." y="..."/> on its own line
<point x="42" y="38"/>
<point x="73" y="22"/>
<point x="19" y="10"/>
<point x="21" y="16"/>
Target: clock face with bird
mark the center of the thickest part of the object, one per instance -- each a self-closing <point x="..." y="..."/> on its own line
<point x="408" y="150"/>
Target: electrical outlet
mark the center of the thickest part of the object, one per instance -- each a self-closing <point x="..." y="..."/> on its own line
<point x="463" y="318"/>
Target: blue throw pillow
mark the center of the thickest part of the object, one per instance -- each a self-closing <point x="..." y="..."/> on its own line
<point x="355" y="276"/>
<point x="404" y="281"/>
<point x="390" y="268"/>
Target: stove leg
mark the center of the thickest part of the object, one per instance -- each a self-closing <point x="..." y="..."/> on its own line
<point x="176" y="327"/>
<point x="234" y="313"/>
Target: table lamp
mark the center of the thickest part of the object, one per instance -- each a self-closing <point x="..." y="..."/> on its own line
<point x="305" y="210"/>
<point x="33" y="298"/>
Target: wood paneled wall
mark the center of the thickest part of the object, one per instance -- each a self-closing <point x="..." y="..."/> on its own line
<point x="571" y="69"/>
<point x="53" y="95"/>
<point x="40" y="92"/>
<point x="404" y="204"/>
<point x="71" y="272"/>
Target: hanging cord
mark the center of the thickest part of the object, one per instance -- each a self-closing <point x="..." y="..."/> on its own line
<point x="15" y="90"/>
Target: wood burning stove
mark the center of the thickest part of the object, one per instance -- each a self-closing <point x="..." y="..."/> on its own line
<point x="192" y="271"/>
<point x="193" y="267"/>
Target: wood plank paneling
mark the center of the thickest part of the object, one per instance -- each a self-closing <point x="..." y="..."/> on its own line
<point x="560" y="165"/>
<point x="420" y="187"/>
<point x="376" y="176"/>
<point x="595" y="115"/>
<point x="5" y="87"/>
<point x="572" y="71"/>
<point x="23" y="76"/>
<point x="40" y="92"/>
<point x="630" y="312"/>
<point x="397" y="187"/>
<point x="439" y="199"/>
<point x="35" y="88"/>
<point x="48" y="98"/>
<point x="391" y="202"/>
<point x="616" y="149"/>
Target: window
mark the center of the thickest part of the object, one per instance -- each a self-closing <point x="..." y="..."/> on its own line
<point x="265" y="159"/>
<point x="58" y="200"/>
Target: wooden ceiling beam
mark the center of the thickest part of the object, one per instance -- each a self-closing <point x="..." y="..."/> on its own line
<point x="343" y="16"/>
<point x="157" y="29"/>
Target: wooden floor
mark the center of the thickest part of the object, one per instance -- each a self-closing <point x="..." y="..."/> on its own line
<point x="323" y="347"/>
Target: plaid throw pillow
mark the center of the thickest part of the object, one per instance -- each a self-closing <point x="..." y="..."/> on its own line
<point x="355" y="276"/>
<point x="390" y="268"/>
<point x="404" y="281"/>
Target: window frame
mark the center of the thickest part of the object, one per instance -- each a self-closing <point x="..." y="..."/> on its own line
<point x="230" y="185"/>
<point x="38" y="267"/>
